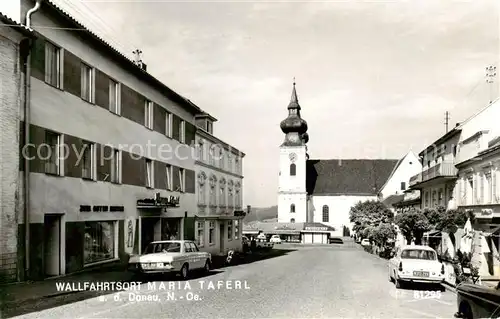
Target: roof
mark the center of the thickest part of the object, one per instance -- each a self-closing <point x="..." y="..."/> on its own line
<point x="21" y="28"/>
<point x="121" y="58"/>
<point x="456" y="130"/>
<point x="348" y="176"/>
<point x="319" y="226"/>
<point x="393" y="199"/>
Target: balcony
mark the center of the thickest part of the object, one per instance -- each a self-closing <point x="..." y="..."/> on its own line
<point x="444" y="170"/>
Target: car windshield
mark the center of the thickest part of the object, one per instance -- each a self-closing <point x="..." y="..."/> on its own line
<point x="418" y="254"/>
<point x="170" y="247"/>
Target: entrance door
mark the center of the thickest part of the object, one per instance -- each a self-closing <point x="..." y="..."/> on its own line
<point x="52" y="245"/>
<point x="222" y="236"/>
<point x="148" y="230"/>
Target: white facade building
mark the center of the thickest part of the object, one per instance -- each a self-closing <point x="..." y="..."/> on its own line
<point x="219" y="191"/>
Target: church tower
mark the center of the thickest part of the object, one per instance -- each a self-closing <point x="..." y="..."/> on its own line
<point x="292" y="194"/>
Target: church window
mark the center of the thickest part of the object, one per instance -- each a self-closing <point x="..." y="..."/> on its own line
<point x="292" y="220"/>
<point x="293" y="169"/>
<point x="292" y="208"/>
<point x="326" y="213"/>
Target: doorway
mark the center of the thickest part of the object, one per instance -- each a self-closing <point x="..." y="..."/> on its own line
<point x="52" y="245"/>
<point x="221" y="236"/>
<point x="150" y="231"/>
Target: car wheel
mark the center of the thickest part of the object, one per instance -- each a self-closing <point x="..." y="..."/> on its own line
<point x="207" y="266"/>
<point x="184" y="271"/>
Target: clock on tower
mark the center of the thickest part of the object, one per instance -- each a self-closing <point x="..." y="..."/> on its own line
<point x="293" y="157"/>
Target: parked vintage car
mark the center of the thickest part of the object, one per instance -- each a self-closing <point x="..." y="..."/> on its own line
<point x="415" y="263"/>
<point x="275" y="239"/>
<point x="477" y="301"/>
<point x="171" y="256"/>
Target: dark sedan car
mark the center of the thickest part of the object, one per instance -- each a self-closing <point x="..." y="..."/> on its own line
<point x="476" y="301"/>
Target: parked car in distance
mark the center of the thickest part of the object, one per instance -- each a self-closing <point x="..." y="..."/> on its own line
<point x="415" y="263"/>
<point x="275" y="239"/>
<point x="170" y="256"/>
<point x="477" y="301"/>
<point x="336" y="241"/>
<point x="263" y="244"/>
<point x="365" y="242"/>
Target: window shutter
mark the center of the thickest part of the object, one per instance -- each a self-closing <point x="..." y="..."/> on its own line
<point x="38" y="59"/>
<point x="176" y="123"/>
<point x="175" y="179"/>
<point x="101" y="89"/>
<point x="190" y="130"/>
<point x="72" y="74"/>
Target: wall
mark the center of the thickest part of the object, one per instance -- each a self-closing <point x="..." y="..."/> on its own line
<point x="409" y="167"/>
<point x="10" y="104"/>
<point x="295" y="183"/>
<point x="339" y="207"/>
<point x="445" y="151"/>
<point x="233" y="243"/>
<point x="284" y="203"/>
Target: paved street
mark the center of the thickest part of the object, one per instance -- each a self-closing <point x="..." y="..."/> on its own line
<point x="309" y="282"/>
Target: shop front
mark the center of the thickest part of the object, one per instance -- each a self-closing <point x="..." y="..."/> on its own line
<point x="153" y="224"/>
<point x="316" y="233"/>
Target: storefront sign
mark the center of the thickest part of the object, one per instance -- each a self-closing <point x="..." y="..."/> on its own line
<point x="101" y="208"/>
<point x="317" y="228"/>
<point x="159" y="201"/>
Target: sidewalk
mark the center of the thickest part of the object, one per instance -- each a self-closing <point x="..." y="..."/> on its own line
<point x="26" y="292"/>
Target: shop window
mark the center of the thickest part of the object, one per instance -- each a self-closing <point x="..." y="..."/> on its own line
<point x="170" y="228"/>
<point x="200" y="228"/>
<point x="211" y="233"/>
<point x="100" y="241"/>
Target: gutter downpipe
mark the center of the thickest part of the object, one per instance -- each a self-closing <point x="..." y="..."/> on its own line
<point x="27" y="108"/>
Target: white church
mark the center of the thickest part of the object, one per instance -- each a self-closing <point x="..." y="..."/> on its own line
<point x="321" y="192"/>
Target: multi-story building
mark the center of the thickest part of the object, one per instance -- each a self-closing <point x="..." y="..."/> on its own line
<point x="110" y="152"/>
<point x="437" y="180"/>
<point x="13" y="40"/>
<point x="219" y="189"/>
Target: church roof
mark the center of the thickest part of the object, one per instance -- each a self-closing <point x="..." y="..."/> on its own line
<point x="362" y="177"/>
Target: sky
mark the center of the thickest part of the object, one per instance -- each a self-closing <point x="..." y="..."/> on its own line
<point x="374" y="78"/>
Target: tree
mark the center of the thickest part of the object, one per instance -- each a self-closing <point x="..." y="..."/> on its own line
<point x="382" y="233"/>
<point x="369" y="213"/>
<point x="413" y="224"/>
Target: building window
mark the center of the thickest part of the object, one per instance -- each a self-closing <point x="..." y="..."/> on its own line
<point x="200" y="233"/>
<point x="148" y="114"/>
<point x="221" y="159"/>
<point x="229" y="230"/>
<point x="426" y="199"/>
<point x="209" y="127"/>
<point x="211" y="233"/>
<point x="403" y="186"/>
<point x="292" y="220"/>
<point x="52" y="160"/>
<point x="494" y="196"/>
<point x="230" y="190"/>
<point x="100" y="241"/>
<point x="230" y="162"/>
<point x="236" y="229"/>
<point x="114" y="97"/>
<point x="201" y="188"/>
<point x="87" y="83"/>
<point x="53" y="65"/>
<point x="168" y="124"/>
<point x="326" y="214"/>
<point x="222" y="201"/>
<point x="471" y="190"/>
<point x="116" y="167"/>
<point x="292" y="208"/>
<point x="168" y="175"/>
<point x="480" y="199"/>
<point x="182" y="132"/>
<point x="238" y="198"/>
<point x="213" y="195"/>
<point x="149" y="173"/>
<point x="88" y="162"/>
<point x="182" y="179"/>
<point x="489" y="195"/>
<point x="211" y="155"/>
<point x="200" y="152"/>
<point x="293" y="169"/>
<point x="237" y="165"/>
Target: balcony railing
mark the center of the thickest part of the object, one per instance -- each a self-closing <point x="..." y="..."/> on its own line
<point x="439" y="170"/>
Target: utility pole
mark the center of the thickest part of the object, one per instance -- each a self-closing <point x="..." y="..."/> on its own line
<point x="446" y="120"/>
<point x="490" y="79"/>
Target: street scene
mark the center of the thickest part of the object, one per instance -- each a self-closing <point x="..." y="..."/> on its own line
<point x="253" y="159"/>
<point x="305" y="282"/>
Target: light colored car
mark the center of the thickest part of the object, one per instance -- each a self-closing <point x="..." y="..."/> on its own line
<point x="365" y="242"/>
<point x="415" y="263"/>
<point x="275" y="239"/>
<point x="171" y="256"/>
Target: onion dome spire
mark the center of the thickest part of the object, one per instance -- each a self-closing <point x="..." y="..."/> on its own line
<point x="294" y="126"/>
